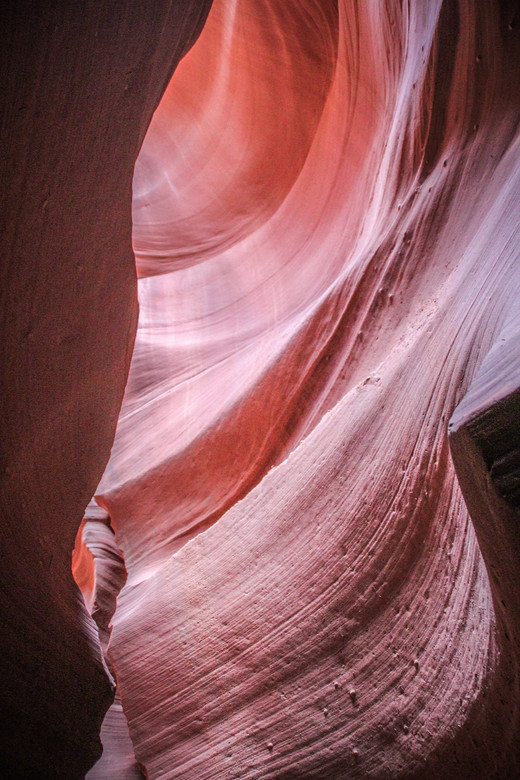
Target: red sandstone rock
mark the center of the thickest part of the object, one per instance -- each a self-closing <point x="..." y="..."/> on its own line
<point x="331" y="191"/>
<point x="79" y="84"/>
<point x="306" y="594"/>
<point x="98" y="568"/>
<point x="118" y="760"/>
<point x="99" y="571"/>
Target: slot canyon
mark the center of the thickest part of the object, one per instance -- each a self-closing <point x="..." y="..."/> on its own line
<point x="260" y="381"/>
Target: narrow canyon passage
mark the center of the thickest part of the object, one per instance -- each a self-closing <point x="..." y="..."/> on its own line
<point x="301" y="559"/>
<point x="326" y="230"/>
<point x="100" y="572"/>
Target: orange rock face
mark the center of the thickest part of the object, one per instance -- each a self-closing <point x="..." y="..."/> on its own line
<point x="326" y="211"/>
<point x="322" y="568"/>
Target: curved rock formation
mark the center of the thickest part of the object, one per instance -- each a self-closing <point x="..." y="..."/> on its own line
<point x="306" y="596"/>
<point x="79" y="84"/>
<point x="326" y="226"/>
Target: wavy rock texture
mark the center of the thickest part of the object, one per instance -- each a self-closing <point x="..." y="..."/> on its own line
<point x="326" y="211"/>
<point x="100" y="572"/>
<point x="330" y="194"/>
<point x="80" y="82"/>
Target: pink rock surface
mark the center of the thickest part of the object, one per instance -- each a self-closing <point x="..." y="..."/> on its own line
<point x="326" y="228"/>
<point x="98" y="568"/>
<point x="330" y="260"/>
<point x="99" y="571"/>
<point x="117" y="761"/>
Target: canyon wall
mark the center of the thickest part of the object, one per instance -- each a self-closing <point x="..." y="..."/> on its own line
<point x="314" y="479"/>
<point x="80" y="81"/>
<point x="326" y="227"/>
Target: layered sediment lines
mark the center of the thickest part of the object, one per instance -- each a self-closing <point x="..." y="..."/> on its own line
<point x="326" y="223"/>
<point x="329" y="261"/>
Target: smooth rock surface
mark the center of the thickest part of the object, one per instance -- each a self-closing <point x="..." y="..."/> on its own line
<point x="326" y="211"/>
<point x="330" y="262"/>
<point x="80" y="82"/>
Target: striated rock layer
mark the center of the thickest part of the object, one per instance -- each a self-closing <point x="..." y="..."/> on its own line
<point x="322" y="575"/>
<point x="100" y="573"/>
<point x="80" y="82"/>
<point x="326" y="208"/>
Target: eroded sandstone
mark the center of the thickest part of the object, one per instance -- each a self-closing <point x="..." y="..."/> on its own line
<point x="79" y="84"/>
<point x="310" y="594"/>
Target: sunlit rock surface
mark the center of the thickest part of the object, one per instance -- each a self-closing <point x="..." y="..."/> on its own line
<point x="80" y="82"/>
<point x="326" y="211"/>
<point x="322" y="568"/>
